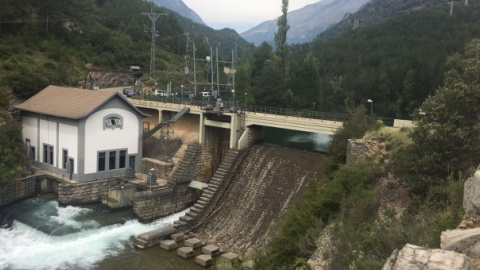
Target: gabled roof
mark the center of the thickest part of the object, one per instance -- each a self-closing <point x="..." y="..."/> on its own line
<point x="66" y="102"/>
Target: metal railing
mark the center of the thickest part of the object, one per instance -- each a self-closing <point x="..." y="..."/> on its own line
<point x="228" y="105"/>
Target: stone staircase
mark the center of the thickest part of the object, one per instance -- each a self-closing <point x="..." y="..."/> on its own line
<point x="220" y="178"/>
<point x="183" y="172"/>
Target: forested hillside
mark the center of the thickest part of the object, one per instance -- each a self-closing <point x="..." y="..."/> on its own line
<point x="396" y="63"/>
<point x="52" y="42"/>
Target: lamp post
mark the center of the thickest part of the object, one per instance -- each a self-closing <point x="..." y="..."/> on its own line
<point x="182" y="92"/>
<point x="371" y="106"/>
<point x="233" y="94"/>
<point x="246" y="95"/>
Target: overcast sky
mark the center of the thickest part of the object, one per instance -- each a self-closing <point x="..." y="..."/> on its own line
<point x="241" y="15"/>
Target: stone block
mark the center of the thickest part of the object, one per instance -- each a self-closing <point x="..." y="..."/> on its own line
<point x="229" y="257"/>
<point x="185" y="252"/>
<point x="204" y="260"/>
<point x="194" y="243"/>
<point x="211" y="250"/>
<point x="417" y="258"/>
<point x="177" y="237"/>
<point x="168" y="245"/>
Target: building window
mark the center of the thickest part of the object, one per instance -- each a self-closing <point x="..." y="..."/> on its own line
<point x="48" y="154"/>
<point x="123" y="156"/>
<point x="112" y="160"/>
<point x="113" y="121"/>
<point x="101" y="161"/>
<point x="64" y="158"/>
<point x="32" y="152"/>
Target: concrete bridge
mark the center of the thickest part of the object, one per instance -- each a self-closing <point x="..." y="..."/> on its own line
<point x="241" y="125"/>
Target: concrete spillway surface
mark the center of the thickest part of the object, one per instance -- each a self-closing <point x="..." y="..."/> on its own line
<point x="46" y="236"/>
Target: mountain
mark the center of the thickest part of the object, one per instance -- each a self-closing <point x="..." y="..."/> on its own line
<point x="377" y="11"/>
<point x="179" y="7"/>
<point x="305" y="23"/>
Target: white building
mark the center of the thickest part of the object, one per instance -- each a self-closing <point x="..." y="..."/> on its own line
<point x="82" y="134"/>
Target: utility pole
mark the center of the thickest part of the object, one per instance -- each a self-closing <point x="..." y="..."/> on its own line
<point x="211" y="69"/>
<point x="194" y="70"/>
<point x="466" y="2"/>
<point x="153" y="17"/>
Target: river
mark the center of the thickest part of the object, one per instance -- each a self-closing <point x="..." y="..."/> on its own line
<point x="47" y="236"/>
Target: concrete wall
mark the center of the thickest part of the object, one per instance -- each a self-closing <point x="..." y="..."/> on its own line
<point x="83" y="193"/>
<point x="214" y="150"/>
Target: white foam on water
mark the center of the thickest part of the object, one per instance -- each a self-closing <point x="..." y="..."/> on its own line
<point x="24" y="247"/>
<point x="66" y="217"/>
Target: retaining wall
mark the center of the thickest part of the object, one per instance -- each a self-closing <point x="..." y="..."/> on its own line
<point x="83" y="193"/>
<point x="152" y="204"/>
<point x="19" y="189"/>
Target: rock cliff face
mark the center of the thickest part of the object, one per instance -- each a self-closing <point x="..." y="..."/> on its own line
<point x="266" y="184"/>
<point x="417" y="258"/>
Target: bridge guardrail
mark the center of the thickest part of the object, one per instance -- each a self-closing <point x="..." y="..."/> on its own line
<point x="227" y="104"/>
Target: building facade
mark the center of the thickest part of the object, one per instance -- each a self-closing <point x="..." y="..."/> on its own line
<point x="81" y="134"/>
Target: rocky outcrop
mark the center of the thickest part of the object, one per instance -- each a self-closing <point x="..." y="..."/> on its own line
<point x="471" y="194"/>
<point x="463" y="241"/>
<point x="413" y="257"/>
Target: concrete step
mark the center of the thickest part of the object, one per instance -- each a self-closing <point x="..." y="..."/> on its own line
<point x="208" y="192"/>
<point x="192" y="214"/>
<point x="202" y="204"/>
<point x="186" y="218"/>
<point x="197" y="208"/>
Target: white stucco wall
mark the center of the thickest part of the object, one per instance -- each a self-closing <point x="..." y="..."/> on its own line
<point x="48" y="135"/>
<point x="29" y="131"/>
<point x="98" y="139"/>
<point x="68" y="139"/>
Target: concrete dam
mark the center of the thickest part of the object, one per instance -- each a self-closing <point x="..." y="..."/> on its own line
<point x="269" y="180"/>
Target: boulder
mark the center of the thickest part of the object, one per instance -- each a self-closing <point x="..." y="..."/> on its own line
<point x="463" y="241"/>
<point x="413" y="257"/>
<point x="471" y="195"/>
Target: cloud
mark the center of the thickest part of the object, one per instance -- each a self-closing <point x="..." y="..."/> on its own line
<point x="241" y="13"/>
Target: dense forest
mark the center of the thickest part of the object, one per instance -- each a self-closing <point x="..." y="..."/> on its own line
<point x="397" y="63"/>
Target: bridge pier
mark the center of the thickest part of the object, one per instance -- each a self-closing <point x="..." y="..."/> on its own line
<point x="201" y="129"/>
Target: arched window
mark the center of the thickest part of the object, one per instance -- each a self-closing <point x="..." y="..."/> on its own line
<point x="113" y="121"/>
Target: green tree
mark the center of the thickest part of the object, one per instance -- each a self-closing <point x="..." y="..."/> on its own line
<point x="11" y="150"/>
<point x="281" y="37"/>
<point x="446" y="139"/>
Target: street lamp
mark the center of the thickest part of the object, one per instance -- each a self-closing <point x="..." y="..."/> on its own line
<point x="182" y="92"/>
<point x="371" y="106"/>
<point x="246" y="95"/>
<point x="233" y="94"/>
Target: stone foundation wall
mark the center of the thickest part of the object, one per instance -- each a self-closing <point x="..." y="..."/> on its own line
<point x="359" y="150"/>
<point x="356" y="151"/>
<point x="83" y="193"/>
<point x="18" y="189"/>
<point x="152" y="204"/>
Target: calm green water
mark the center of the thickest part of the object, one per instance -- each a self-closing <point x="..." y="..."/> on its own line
<point x="47" y="236"/>
<point x="297" y="139"/>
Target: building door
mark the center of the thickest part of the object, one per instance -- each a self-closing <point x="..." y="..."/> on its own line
<point x="70" y="160"/>
<point x="131" y="162"/>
